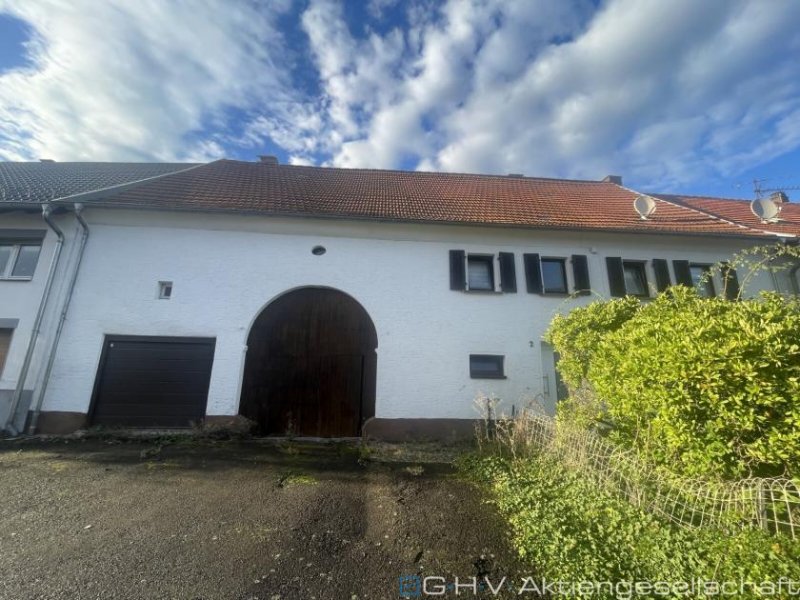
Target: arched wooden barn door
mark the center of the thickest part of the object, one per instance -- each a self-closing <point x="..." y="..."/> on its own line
<point x="310" y="366"/>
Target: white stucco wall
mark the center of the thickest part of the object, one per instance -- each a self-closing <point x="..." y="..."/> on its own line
<point x="226" y="269"/>
<point x="19" y="300"/>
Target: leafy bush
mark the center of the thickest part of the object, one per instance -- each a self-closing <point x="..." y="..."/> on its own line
<point x="707" y="386"/>
<point x="571" y="531"/>
<point x="577" y="335"/>
<point x="702" y="385"/>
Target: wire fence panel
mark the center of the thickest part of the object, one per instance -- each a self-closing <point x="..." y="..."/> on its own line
<point x="771" y="504"/>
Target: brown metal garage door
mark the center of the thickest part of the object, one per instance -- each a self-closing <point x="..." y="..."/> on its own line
<point x="152" y="381"/>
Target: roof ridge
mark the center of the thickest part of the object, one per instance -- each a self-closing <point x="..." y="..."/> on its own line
<point x="410" y="172"/>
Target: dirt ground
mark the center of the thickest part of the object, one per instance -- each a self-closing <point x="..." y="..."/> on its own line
<point x="105" y="519"/>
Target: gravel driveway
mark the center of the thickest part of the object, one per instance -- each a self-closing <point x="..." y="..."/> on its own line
<point x="93" y="519"/>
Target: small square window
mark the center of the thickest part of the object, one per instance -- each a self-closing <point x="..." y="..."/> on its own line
<point x="635" y="278"/>
<point x="702" y="280"/>
<point x="164" y="290"/>
<point x="486" y="366"/>
<point x="480" y="272"/>
<point x="554" y="275"/>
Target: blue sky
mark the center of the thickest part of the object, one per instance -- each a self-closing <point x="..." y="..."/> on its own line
<point x="680" y="96"/>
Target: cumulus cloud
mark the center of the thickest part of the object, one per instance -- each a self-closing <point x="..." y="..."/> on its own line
<point x="666" y="93"/>
<point x="141" y="80"/>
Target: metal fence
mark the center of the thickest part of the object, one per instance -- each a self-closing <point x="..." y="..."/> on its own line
<point x="772" y="504"/>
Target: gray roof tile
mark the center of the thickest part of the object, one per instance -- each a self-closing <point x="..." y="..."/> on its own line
<point x="35" y="182"/>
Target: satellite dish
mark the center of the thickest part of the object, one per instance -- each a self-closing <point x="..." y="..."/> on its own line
<point x="645" y="206"/>
<point x="765" y="209"/>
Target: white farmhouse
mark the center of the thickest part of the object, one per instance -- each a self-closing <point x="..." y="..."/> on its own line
<point x="315" y="301"/>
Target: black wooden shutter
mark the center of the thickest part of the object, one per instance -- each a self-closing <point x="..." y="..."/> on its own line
<point x="730" y="281"/>
<point x="683" y="275"/>
<point x="508" y="272"/>
<point x="661" y="269"/>
<point x="580" y="274"/>
<point x="616" y="276"/>
<point x="458" y="274"/>
<point x="533" y="273"/>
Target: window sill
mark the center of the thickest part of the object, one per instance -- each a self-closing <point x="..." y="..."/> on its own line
<point x="488" y="377"/>
<point x="16" y="278"/>
<point x="483" y="292"/>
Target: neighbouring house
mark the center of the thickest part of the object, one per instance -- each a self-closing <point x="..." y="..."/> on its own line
<point x="317" y="301"/>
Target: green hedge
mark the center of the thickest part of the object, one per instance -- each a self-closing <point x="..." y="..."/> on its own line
<point x="703" y="385"/>
<point x="568" y="530"/>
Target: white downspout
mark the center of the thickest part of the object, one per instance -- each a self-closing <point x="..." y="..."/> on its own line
<point x="37" y="323"/>
<point x="39" y="394"/>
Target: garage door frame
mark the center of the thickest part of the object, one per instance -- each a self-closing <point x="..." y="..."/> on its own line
<point x="112" y="338"/>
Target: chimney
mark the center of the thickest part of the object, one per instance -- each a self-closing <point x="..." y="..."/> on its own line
<point x="267" y="159"/>
<point x="613" y="179"/>
<point x="46" y="160"/>
<point x="779" y="197"/>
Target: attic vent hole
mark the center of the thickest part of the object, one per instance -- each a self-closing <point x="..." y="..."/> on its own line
<point x="318" y="250"/>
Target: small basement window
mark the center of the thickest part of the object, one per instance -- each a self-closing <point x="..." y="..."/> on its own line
<point x="18" y="260"/>
<point x="164" y="290"/>
<point x="635" y="278"/>
<point x="480" y="272"/>
<point x="486" y="366"/>
<point x="554" y="275"/>
<point x="702" y="280"/>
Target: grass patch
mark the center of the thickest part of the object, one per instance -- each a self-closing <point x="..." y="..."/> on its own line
<point x="569" y="530"/>
<point x="290" y="479"/>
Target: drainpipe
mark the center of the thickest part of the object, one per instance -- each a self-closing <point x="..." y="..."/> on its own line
<point x="37" y="323"/>
<point x="39" y="394"/>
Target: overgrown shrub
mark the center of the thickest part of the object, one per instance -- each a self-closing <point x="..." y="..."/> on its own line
<point x="576" y="336"/>
<point x="569" y="530"/>
<point x="704" y="385"/>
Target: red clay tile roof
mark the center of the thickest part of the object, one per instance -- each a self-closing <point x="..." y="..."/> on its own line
<point x="739" y="212"/>
<point x="234" y="186"/>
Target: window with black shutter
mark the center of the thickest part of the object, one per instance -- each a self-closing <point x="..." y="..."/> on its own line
<point x="476" y="272"/>
<point x="627" y="277"/>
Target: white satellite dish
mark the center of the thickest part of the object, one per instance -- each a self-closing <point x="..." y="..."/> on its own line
<point x="766" y="209"/>
<point x="645" y="206"/>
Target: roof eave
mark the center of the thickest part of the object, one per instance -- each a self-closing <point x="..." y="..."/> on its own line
<point x="754" y="235"/>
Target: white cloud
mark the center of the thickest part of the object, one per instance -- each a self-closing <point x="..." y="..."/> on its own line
<point x="136" y="80"/>
<point x="664" y="92"/>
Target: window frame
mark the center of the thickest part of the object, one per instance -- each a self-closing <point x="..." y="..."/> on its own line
<point x="706" y="268"/>
<point x="16" y="246"/>
<point x="563" y="263"/>
<point x="165" y="290"/>
<point x="501" y="363"/>
<point x="641" y="265"/>
<point x="489" y="259"/>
